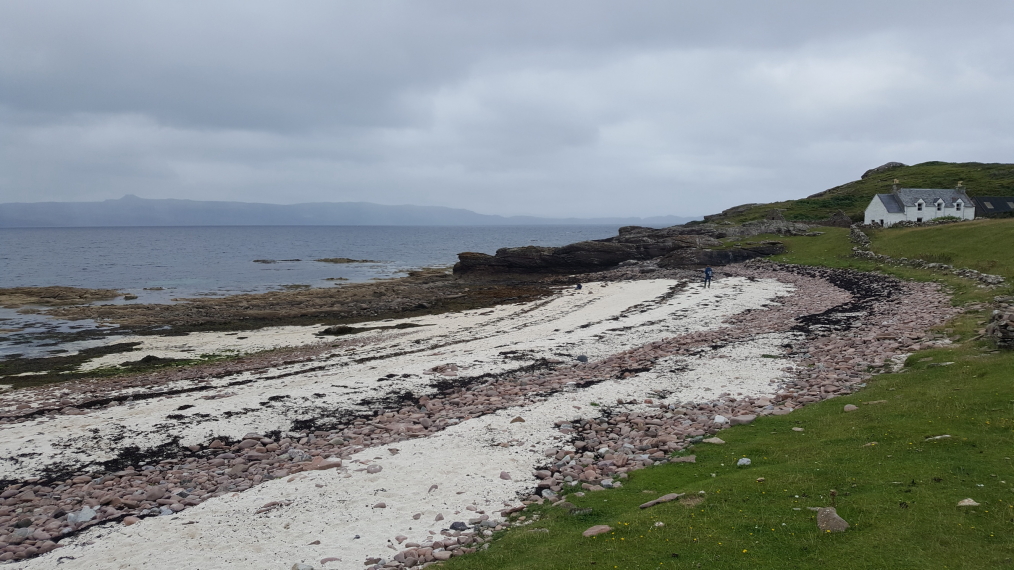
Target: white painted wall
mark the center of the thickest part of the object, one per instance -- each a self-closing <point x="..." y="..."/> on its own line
<point x="930" y="212"/>
<point x="876" y="212"/>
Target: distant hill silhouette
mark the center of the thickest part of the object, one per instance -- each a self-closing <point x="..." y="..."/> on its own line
<point x="133" y="211"/>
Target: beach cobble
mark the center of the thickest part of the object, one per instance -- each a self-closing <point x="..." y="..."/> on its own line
<point x="849" y="325"/>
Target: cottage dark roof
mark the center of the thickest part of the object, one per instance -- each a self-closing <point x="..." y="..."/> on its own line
<point x="994" y="204"/>
<point x="891" y="203"/>
<point x="909" y="196"/>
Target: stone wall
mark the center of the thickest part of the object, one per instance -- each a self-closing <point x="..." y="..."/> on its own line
<point x="1001" y="325"/>
<point x="984" y="278"/>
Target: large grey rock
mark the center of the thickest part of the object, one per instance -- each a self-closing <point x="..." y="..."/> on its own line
<point x="84" y="515"/>
<point x="1001" y="328"/>
<point x="685" y="258"/>
<point x="829" y="521"/>
<point x="633" y="243"/>
<point x="597" y="530"/>
<point x="882" y="168"/>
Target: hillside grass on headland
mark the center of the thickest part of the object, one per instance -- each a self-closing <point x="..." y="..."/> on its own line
<point x="978" y="179"/>
<point x="984" y="245"/>
<point x="980" y="245"/>
<point x="896" y="486"/>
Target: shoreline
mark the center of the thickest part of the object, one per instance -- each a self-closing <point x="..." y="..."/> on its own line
<point x="430" y="291"/>
<point x="825" y="312"/>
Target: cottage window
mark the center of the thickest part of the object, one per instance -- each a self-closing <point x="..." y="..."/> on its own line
<point x="1011" y="204"/>
<point x="957" y="206"/>
<point x="940" y="206"/>
<point x="988" y="205"/>
<point x="918" y="206"/>
<point x="919" y="220"/>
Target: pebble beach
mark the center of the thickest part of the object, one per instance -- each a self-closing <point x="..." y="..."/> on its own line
<point x="399" y="447"/>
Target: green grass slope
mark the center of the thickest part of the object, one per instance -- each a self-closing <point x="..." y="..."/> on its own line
<point x="984" y="245"/>
<point x="979" y="179"/>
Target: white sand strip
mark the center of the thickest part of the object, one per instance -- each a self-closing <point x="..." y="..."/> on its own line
<point x="601" y="320"/>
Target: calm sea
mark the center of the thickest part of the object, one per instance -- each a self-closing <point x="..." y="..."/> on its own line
<point x="199" y="261"/>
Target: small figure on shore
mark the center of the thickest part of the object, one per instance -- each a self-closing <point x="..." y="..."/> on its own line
<point x="708" y="272"/>
<point x="578" y="286"/>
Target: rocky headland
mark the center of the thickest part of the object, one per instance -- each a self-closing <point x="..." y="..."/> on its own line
<point x="688" y="246"/>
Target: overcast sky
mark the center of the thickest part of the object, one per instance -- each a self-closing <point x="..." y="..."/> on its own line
<point x="566" y="108"/>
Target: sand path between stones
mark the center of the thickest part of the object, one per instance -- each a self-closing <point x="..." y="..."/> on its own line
<point x="464" y="460"/>
<point x="601" y="320"/>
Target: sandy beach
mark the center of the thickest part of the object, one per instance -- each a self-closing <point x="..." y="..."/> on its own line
<point x="283" y="464"/>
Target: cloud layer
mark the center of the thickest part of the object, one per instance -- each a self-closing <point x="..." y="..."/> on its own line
<point x="560" y="109"/>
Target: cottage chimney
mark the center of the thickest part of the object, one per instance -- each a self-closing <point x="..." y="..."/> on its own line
<point x="961" y="184"/>
<point x="894" y="187"/>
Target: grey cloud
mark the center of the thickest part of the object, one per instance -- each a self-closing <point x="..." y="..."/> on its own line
<point x="564" y="108"/>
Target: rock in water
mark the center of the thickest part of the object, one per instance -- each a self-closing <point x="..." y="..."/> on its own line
<point x="829" y="521"/>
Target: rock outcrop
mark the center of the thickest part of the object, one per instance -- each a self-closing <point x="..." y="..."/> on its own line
<point x="882" y="168"/>
<point x="1001" y="328"/>
<point x="838" y="219"/>
<point x="677" y="246"/>
<point x="700" y="257"/>
<point x="15" y="297"/>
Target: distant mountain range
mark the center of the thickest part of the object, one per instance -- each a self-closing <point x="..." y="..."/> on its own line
<point x="133" y="211"/>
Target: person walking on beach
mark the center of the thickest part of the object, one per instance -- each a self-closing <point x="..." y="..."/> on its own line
<point x="708" y="272"/>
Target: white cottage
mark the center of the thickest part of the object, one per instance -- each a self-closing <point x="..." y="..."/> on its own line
<point x="919" y="205"/>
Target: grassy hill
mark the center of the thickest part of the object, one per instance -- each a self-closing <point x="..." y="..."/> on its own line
<point x="979" y="179"/>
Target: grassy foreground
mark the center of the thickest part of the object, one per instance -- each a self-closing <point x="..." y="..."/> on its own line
<point x="897" y="487"/>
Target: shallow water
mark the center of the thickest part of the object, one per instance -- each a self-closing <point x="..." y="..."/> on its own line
<point x="161" y="263"/>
